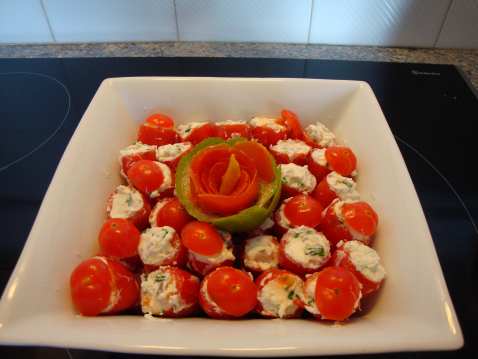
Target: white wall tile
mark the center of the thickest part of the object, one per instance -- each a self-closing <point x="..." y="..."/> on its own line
<point x="412" y="23"/>
<point x="244" y="20"/>
<point x="112" y="20"/>
<point x="23" y="21"/>
<point x="460" y="30"/>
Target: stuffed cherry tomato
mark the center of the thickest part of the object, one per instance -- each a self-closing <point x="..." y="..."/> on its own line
<point x="102" y="286"/>
<point x="332" y="294"/>
<point x="161" y="246"/>
<point x="227" y="293"/>
<point x="169" y="292"/>
<point x="317" y="164"/>
<point x="301" y="210"/>
<point x="170" y="212"/>
<point x="290" y="151"/>
<point x="134" y="153"/>
<point x="347" y="221"/>
<point x="276" y="291"/>
<point x="268" y="131"/>
<point x="341" y="160"/>
<point x="119" y="238"/>
<point x="195" y="132"/>
<point x="154" y="178"/>
<point x="153" y="135"/>
<point x="296" y="180"/>
<point x="232" y="129"/>
<point x="335" y="186"/>
<point x="208" y="248"/>
<point x="363" y="262"/>
<point x="303" y="251"/>
<point x="170" y="155"/>
<point x="319" y="136"/>
<point x="130" y="204"/>
<point x="291" y="120"/>
<point x="259" y="254"/>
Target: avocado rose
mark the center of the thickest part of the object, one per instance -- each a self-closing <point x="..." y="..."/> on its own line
<point x="234" y="185"/>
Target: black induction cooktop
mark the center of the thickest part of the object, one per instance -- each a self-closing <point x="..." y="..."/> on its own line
<point x="431" y="110"/>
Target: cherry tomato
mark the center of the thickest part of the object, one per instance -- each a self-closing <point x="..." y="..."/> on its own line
<point x="232" y="290"/>
<point x="128" y="160"/>
<point x="323" y="193"/>
<point x="140" y="217"/>
<point x="315" y="168"/>
<point x="267" y="136"/>
<point x="160" y="121"/>
<point x="94" y="281"/>
<point x="291" y="119"/>
<point x="343" y="257"/>
<point x="229" y="130"/>
<point x="119" y="238"/>
<point x="199" y="134"/>
<point x="173" y="214"/>
<point x="336" y="293"/>
<point x="146" y="176"/>
<point x="201" y="238"/>
<point x="303" y="210"/>
<point x="156" y="136"/>
<point x="341" y="159"/>
<point x="361" y="217"/>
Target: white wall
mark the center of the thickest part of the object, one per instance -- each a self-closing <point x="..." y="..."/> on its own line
<point x="406" y="23"/>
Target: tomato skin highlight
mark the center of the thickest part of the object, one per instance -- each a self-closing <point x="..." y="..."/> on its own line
<point x="337" y="293"/>
<point x="341" y="159"/>
<point x="232" y="290"/>
<point x="118" y="238"/>
<point x="146" y="176"/>
<point x="361" y="217"/>
<point x="201" y="238"/>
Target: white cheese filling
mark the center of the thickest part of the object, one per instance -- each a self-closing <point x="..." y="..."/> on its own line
<point x="170" y="152"/>
<point x="160" y="288"/>
<point x="167" y="181"/>
<point x="155" y="245"/>
<point x="320" y="134"/>
<point x="343" y="187"/>
<point x="222" y="256"/>
<point x="262" y="253"/>
<point x="291" y="148"/>
<point x="267" y="122"/>
<point x="185" y="130"/>
<point x="125" y="203"/>
<point x="309" y="296"/>
<point x="229" y="122"/>
<point x="277" y="299"/>
<point x="318" y="155"/>
<point x="307" y="247"/>
<point x="283" y="220"/>
<point x="366" y="261"/>
<point x="298" y="177"/>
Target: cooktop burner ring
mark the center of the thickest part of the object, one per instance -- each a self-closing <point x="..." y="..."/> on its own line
<point x="37" y="147"/>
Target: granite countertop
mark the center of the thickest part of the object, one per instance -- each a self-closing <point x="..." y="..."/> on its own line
<point x="467" y="60"/>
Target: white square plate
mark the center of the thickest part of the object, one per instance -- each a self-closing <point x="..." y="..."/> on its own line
<point x="412" y="311"/>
